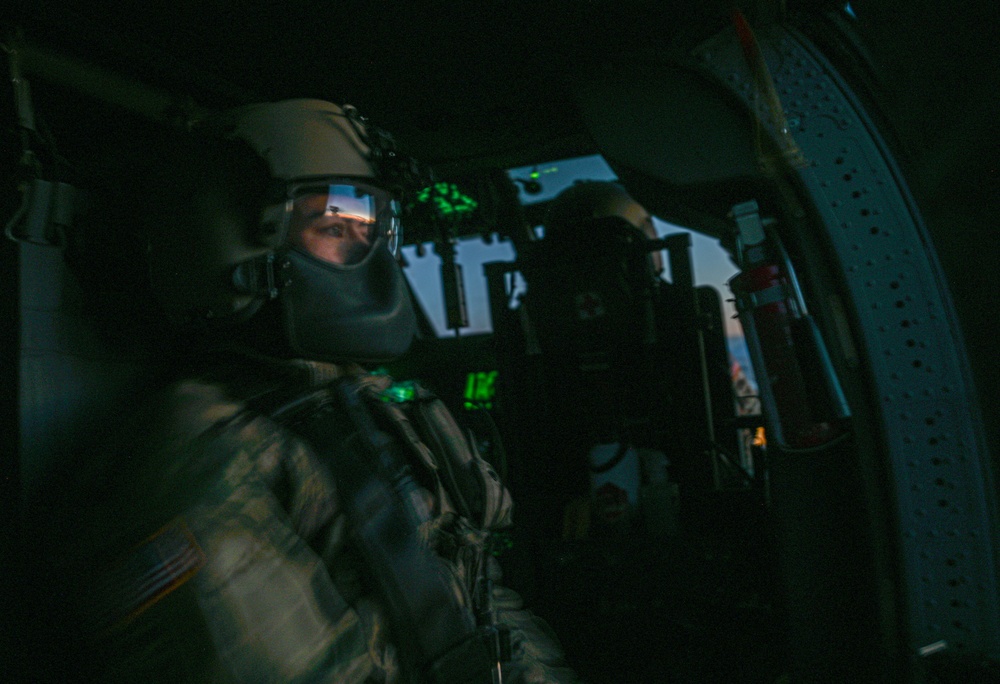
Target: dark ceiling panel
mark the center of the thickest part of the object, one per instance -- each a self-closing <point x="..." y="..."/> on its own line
<point x="456" y="82"/>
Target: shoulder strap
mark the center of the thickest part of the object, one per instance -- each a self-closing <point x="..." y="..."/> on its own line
<point x="471" y="482"/>
<point x="437" y="634"/>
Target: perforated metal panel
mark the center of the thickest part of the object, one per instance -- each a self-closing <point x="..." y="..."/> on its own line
<point x="938" y="461"/>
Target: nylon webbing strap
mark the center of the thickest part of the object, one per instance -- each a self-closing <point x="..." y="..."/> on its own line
<point x="436" y="634"/>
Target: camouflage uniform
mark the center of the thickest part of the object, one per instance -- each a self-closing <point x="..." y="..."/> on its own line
<point x="220" y="551"/>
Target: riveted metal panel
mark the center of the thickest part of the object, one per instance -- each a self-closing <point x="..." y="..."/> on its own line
<point x="938" y="461"/>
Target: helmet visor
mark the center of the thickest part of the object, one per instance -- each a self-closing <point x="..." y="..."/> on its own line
<point x="339" y="221"/>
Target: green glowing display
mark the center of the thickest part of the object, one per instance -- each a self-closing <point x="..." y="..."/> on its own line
<point x="447" y="199"/>
<point x="480" y="388"/>
<point x="536" y="174"/>
<point x="400" y="392"/>
<point x="498" y="542"/>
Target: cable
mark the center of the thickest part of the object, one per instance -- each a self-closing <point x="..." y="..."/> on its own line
<point x="8" y="228"/>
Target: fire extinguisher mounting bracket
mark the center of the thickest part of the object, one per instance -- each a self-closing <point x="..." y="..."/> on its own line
<point x="750" y="232"/>
<point x="746" y="301"/>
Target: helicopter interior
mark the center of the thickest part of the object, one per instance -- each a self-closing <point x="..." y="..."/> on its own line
<point x="842" y="155"/>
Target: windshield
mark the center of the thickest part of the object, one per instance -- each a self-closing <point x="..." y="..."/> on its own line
<point x="536" y="184"/>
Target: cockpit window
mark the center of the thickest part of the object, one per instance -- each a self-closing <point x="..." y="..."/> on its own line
<point x="424" y="273"/>
<point x="540" y="183"/>
<point x="543" y="182"/>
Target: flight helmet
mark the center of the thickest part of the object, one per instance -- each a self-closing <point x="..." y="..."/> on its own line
<point x="584" y="203"/>
<point x="297" y="225"/>
<point x="589" y="200"/>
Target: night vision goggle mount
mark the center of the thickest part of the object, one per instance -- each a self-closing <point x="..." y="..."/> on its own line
<point x="397" y="171"/>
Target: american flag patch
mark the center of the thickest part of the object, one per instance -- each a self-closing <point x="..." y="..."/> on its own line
<point x="153" y="569"/>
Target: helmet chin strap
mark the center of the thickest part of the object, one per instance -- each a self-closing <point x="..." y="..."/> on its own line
<point x="261" y="277"/>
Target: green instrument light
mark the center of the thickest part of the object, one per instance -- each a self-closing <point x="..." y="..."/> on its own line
<point x="447" y="199"/>
<point x="498" y="542"/>
<point x="400" y="392"/>
<point x="480" y="388"/>
<point x="536" y="174"/>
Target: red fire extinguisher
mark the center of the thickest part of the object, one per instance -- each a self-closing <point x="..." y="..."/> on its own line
<point x="800" y="394"/>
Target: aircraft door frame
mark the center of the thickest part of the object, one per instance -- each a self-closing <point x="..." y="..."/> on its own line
<point x="938" y="461"/>
<point x="920" y="438"/>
